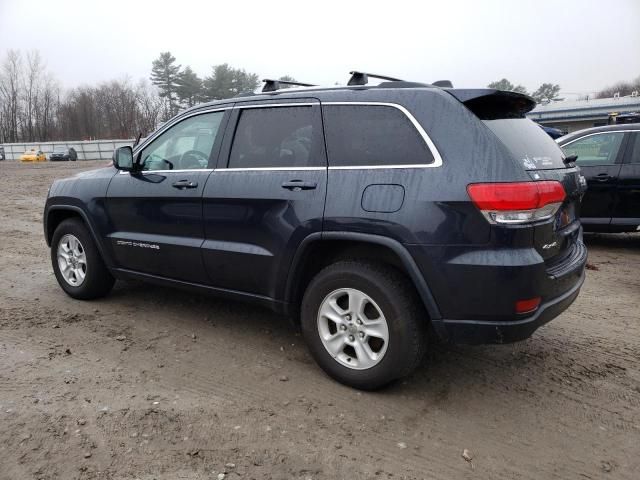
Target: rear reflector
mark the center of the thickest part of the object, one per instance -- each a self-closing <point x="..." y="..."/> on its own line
<point x="527" y="306"/>
<point x="517" y="202"/>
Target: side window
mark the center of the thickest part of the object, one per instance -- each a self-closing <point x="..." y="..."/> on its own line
<point x="186" y="145"/>
<point x="278" y="137"/>
<point x="599" y="149"/>
<point x="372" y="135"/>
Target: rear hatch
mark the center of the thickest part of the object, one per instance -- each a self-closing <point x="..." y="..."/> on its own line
<point x="541" y="157"/>
<point x="557" y="240"/>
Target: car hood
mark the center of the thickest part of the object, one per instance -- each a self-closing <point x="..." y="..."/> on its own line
<point x="84" y="187"/>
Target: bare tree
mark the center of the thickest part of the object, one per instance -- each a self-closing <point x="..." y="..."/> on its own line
<point x="150" y="107"/>
<point x="47" y="107"/>
<point x="31" y="94"/>
<point x="10" y="80"/>
<point x="621" y="88"/>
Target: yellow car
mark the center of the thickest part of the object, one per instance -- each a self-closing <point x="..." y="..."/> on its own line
<point x="33" y="155"/>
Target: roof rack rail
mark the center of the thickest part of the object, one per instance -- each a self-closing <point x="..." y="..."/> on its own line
<point x="362" y="78"/>
<point x="273" y="85"/>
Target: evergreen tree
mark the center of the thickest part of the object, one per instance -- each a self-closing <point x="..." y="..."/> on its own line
<point x="546" y="93"/>
<point x="189" y="87"/>
<point x="505" y="84"/>
<point x="227" y="82"/>
<point x="165" y="74"/>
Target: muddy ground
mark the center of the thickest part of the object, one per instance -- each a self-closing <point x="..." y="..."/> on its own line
<point x="153" y="383"/>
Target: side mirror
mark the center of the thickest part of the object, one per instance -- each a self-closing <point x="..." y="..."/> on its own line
<point x="123" y="158"/>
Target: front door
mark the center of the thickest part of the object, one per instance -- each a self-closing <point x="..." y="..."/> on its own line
<point x="267" y="195"/>
<point x="599" y="157"/>
<point x="155" y="215"/>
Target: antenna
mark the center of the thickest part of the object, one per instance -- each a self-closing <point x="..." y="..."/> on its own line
<point x="273" y="85"/>
<point x="443" y="84"/>
<point x="362" y="78"/>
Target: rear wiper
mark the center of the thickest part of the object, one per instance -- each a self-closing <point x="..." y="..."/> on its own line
<point x="570" y="159"/>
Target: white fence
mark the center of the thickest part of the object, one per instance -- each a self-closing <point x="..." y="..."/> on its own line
<point x="87" y="149"/>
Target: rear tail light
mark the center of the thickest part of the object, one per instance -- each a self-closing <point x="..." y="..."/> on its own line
<point x="527" y="306"/>
<point x="517" y="202"/>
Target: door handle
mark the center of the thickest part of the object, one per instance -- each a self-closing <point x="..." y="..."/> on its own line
<point x="184" y="184"/>
<point x="297" y="185"/>
<point x="603" y="177"/>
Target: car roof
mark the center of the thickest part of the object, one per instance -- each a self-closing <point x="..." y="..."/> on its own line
<point x="316" y="92"/>
<point x="390" y="91"/>
<point x="606" y="128"/>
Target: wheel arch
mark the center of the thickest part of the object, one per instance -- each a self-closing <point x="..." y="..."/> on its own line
<point x="56" y="214"/>
<point x="321" y="249"/>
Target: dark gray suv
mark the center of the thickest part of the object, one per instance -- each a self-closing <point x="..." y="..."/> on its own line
<point x="371" y="215"/>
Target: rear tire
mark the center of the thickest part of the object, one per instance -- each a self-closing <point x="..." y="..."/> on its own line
<point x="77" y="263"/>
<point x="344" y="312"/>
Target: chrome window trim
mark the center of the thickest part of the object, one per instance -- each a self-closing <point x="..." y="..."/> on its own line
<point x="382" y="167"/>
<point x="168" y="125"/>
<point x="256" y="169"/>
<point x="182" y="170"/>
<point x="267" y="105"/>
<point x="437" y="158"/>
<point x="269" y="169"/>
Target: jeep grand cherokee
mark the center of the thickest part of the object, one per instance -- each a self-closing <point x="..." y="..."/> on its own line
<point x="372" y="215"/>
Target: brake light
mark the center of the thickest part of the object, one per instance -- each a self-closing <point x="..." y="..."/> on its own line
<point x="517" y="202"/>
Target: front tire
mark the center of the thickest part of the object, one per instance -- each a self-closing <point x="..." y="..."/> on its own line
<point x="364" y="324"/>
<point x="77" y="263"/>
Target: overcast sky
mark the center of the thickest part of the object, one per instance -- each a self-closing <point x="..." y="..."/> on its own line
<point x="582" y="45"/>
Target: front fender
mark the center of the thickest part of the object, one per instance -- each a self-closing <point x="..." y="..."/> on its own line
<point x="51" y="208"/>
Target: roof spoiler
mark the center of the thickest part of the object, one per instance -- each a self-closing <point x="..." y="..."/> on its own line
<point x="492" y="104"/>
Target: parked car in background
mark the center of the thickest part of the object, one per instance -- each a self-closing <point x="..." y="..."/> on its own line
<point x="2" y="157"/>
<point x="552" y="132"/>
<point x="616" y="118"/>
<point x="609" y="159"/>
<point x="62" y="153"/>
<point x="355" y="210"/>
<point x="33" y="155"/>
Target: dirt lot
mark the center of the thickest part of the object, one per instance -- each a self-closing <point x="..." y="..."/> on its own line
<point x="152" y="383"/>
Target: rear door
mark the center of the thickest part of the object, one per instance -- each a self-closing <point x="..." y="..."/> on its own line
<point x="627" y="211"/>
<point x="156" y="215"/>
<point x="599" y="158"/>
<point x="265" y="197"/>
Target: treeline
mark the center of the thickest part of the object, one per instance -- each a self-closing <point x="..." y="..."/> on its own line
<point x="549" y="92"/>
<point x="182" y="87"/>
<point x="545" y="93"/>
<point x="34" y="107"/>
<point x="624" y="89"/>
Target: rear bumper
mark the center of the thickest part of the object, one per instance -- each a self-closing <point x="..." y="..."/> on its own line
<point x="475" y="332"/>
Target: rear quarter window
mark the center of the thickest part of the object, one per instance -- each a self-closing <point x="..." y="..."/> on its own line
<point x="372" y="135"/>
<point x="528" y="143"/>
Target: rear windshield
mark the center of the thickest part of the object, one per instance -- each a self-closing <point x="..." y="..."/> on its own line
<point x="530" y="145"/>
